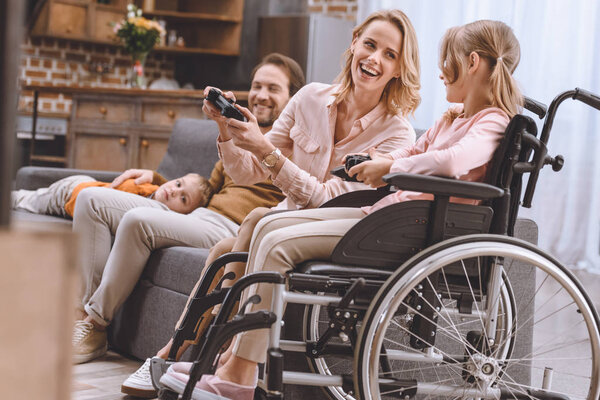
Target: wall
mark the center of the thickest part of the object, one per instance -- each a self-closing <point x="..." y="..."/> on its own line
<point x="335" y="8"/>
<point x="47" y="60"/>
<point x="62" y="62"/>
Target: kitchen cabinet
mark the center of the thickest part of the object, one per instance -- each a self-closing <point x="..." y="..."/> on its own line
<point x="206" y="26"/>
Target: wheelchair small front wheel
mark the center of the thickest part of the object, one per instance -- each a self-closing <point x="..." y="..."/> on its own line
<point x="315" y="323"/>
<point x="432" y="331"/>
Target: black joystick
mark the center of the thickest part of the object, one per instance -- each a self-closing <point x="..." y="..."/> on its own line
<point x="226" y="108"/>
<point x="351" y="161"/>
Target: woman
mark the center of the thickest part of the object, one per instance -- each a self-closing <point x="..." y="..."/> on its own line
<point x="367" y="108"/>
<point x="377" y="89"/>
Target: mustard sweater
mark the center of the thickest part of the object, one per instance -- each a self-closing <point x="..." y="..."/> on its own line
<point x="236" y="201"/>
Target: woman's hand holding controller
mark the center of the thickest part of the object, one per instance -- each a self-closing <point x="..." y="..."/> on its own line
<point x="247" y="135"/>
<point x="214" y="113"/>
<point x="370" y="172"/>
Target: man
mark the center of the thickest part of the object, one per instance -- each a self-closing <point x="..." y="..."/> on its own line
<point x="110" y="275"/>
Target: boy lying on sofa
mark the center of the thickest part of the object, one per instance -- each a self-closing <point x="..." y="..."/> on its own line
<point x="182" y="195"/>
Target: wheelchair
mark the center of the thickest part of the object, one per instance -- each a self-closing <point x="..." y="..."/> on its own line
<point x="419" y="300"/>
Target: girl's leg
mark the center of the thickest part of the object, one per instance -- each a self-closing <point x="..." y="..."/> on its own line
<point x="242" y="242"/>
<point x="279" y="243"/>
<point x="223" y="247"/>
<point x="139" y="383"/>
<point x="279" y="251"/>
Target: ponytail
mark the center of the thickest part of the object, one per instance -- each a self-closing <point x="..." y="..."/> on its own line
<point x="494" y="41"/>
<point x="505" y="92"/>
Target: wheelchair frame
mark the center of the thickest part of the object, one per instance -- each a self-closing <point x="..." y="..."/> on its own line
<point x="521" y="152"/>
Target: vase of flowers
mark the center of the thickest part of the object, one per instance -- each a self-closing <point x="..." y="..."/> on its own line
<point x="138" y="35"/>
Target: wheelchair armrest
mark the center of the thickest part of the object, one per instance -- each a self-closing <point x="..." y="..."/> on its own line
<point x="357" y="198"/>
<point x="443" y="186"/>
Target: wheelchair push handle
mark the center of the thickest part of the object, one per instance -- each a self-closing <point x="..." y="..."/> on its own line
<point x="588" y="98"/>
<point x="541" y="157"/>
<point x="535" y="107"/>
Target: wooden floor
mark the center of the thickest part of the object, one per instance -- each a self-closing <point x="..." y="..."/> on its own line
<point x="101" y="379"/>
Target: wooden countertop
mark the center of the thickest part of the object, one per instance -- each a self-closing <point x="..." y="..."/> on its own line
<point x="180" y="93"/>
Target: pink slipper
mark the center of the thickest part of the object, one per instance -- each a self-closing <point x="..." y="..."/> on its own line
<point x="184" y="366"/>
<point x="210" y="386"/>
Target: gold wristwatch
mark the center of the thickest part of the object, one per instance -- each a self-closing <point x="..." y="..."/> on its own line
<point x="270" y="160"/>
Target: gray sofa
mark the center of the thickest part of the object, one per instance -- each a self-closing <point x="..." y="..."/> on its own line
<point x="146" y="321"/>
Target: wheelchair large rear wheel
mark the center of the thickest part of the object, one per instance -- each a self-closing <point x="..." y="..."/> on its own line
<point x="556" y="330"/>
<point x="316" y="322"/>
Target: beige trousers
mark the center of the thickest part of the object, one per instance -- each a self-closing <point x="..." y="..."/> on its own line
<point x="280" y="242"/>
<point x="50" y="200"/>
<point x="139" y="226"/>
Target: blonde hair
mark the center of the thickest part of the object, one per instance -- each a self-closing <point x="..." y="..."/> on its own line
<point x="202" y="187"/>
<point x="400" y="95"/>
<point x="494" y="41"/>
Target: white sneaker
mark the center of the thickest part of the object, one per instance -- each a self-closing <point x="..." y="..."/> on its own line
<point x="139" y="384"/>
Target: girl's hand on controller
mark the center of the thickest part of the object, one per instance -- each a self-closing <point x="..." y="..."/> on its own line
<point x="352" y="154"/>
<point x="371" y="172"/>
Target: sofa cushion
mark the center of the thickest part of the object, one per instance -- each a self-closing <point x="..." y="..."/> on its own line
<point x="175" y="268"/>
<point x="192" y="148"/>
<point x="31" y="178"/>
<point x="19" y="216"/>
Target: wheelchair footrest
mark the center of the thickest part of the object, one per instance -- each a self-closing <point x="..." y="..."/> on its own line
<point x="158" y="367"/>
<point x="244" y="322"/>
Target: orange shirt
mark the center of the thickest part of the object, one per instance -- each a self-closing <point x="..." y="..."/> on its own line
<point x="145" y="189"/>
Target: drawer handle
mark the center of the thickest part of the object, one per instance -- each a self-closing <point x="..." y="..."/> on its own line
<point x="69" y="29"/>
<point x="171" y="114"/>
<point x="103" y="110"/>
<point x="145" y="143"/>
<point x="122" y="141"/>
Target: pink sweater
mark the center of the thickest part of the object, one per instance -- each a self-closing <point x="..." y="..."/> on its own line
<point x="304" y="132"/>
<point x="460" y="149"/>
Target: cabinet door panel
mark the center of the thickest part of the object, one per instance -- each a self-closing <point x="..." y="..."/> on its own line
<point x="67" y="19"/>
<point x="102" y="29"/>
<point x="151" y="152"/>
<point x="110" y="153"/>
<point x="166" y="114"/>
<point x="105" y="110"/>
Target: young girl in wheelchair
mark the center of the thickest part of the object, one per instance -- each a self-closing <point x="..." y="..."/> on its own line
<point x="476" y="62"/>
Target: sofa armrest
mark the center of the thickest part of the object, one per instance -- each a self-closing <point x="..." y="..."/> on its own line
<point x="31" y="178"/>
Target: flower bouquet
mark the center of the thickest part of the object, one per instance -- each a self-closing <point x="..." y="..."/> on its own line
<point x="138" y="35"/>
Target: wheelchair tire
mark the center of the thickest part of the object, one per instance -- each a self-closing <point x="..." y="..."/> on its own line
<point x="559" y="336"/>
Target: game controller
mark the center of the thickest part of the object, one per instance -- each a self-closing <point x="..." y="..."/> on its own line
<point x="351" y="161"/>
<point x="226" y="108"/>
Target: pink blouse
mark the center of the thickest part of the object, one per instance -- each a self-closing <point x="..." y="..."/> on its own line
<point x="460" y="149"/>
<point x="305" y="132"/>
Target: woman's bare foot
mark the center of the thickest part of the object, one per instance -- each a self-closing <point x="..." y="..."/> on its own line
<point x="238" y="370"/>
